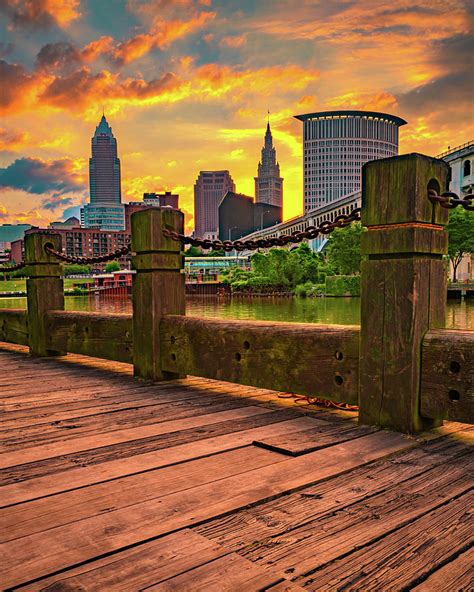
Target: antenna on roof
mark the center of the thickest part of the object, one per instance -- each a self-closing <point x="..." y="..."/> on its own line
<point x="268" y="116"/>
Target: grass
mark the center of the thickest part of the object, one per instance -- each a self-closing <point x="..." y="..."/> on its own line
<point x="19" y="284"/>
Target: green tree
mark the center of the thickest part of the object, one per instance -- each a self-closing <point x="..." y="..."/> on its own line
<point x="461" y="237"/>
<point x="193" y="252"/>
<point x="112" y="266"/>
<point x="76" y="269"/>
<point x="343" y="250"/>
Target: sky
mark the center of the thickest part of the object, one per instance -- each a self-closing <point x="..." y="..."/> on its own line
<point x="186" y="86"/>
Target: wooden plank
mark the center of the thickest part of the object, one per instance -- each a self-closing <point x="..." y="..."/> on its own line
<point x="455" y="576"/>
<point x="112" y="469"/>
<point x="92" y="334"/>
<point x="447" y="378"/>
<point x="225" y="574"/>
<point x="310" y="505"/>
<point x="291" y="357"/>
<point x="397" y="561"/>
<point x="319" y="543"/>
<point x="61" y="509"/>
<point x="13" y="326"/>
<point x="40" y="554"/>
<point x="36" y="453"/>
<point x="314" y="439"/>
<point x="285" y="586"/>
<point x="121" y="419"/>
<point x="138" y="567"/>
<point x="132" y="448"/>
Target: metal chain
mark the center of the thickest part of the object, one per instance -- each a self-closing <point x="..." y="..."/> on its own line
<point x="89" y="260"/>
<point x="10" y="268"/>
<point x="451" y="200"/>
<point x="311" y="232"/>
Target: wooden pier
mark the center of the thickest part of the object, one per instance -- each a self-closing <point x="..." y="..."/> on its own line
<point x="119" y="473"/>
<point x="110" y="484"/>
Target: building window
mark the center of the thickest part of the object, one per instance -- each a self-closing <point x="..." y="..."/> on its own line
<point x="467" y="168"/>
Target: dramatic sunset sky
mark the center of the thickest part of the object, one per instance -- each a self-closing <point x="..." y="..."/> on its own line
<point x="186" y="85"/>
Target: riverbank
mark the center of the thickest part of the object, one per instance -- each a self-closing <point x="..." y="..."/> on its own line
<point x="338" y="311"/>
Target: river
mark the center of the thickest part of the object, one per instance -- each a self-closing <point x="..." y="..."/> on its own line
<point x="343" y="311"/>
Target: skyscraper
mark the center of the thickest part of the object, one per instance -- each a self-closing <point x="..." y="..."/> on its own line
<point x="336" y="145"/>
<point x="105" y="210"/>
<point x="209" y="189"/>
<point x="268" y="183"/>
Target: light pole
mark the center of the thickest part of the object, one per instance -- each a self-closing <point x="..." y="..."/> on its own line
<point x="262" y="214"/>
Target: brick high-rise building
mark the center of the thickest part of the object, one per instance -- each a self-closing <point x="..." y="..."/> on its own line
<point x="209" y="189"/>
<point x="105" y="210"/>
<point x="268" y="183"/>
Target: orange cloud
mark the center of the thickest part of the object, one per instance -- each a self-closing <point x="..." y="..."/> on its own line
<point x="12" y="140"/>
<point x="364" y="101"/>
<point x="160" y="36"/>
<point x="233" y="41"/>
<point x="40" y="13"/>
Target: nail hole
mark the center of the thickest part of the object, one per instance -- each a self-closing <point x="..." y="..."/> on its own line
<point x="246" y="345"/>
<point x="173" y="357"/>
<point x="339" y="355"/>
<point x="238" y="357"/>
<point x="338" y="380"/>
<point x="173" y="339"/>
<point x="455" y="367"/>
<point x="86" y="329"/>
<point x="454" y="395"/>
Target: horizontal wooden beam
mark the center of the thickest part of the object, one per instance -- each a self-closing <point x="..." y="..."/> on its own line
<point x="98" y="335"/>
<point x="307" y="359"/>
<point x="447" y="375"/>
<point x="14" y="326"/>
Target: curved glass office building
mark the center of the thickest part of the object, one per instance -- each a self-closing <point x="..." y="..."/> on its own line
<point x="336" y="145"/>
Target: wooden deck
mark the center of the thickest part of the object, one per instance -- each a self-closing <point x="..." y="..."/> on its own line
<point x="114" y="484"/>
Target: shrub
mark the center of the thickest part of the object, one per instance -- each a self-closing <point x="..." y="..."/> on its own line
<point x="343" y="285"/>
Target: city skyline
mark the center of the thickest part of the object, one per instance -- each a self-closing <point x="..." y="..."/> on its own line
<point x="187" y="84"/>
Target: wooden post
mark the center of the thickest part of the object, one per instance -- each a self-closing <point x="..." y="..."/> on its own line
<point x="45" y="290"/>
<point x="158" y="286"/>
<point x="403" y="287"/>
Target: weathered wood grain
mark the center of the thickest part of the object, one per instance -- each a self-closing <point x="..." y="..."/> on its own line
<point x="314" y="439"/>
<point x="92" y="334"/>
<point x="225" y="574"/>
<point x="399" y="559"/>
<point x="158" y="286"/>
<point x="41" y="554"/>
<point x="45" y="451"/>
<point x="120" y="467"/>
<point x="265" y="521"/>
<point x="456" y="576"/>
<point x="290" y="357"/>
<point x="403" y="287"/>
<point x="14" y="326"/>
<point x="447" y="377"/>
<point x="223" y="424"/>
<point x="44" y="288"/>
<point x="136" y="568"/>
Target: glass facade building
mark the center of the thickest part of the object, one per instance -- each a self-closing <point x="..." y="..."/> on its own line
<point x="335" y="146"/>
<point x="105" y="210"/>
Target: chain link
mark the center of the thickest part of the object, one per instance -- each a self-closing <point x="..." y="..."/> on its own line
<point x="89" y="260"/>
<point x="311" y="232"/>
<point x="451" y="200"/>
<point x="10" y="268"/>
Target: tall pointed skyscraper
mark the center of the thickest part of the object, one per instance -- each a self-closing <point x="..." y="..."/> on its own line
<point x="105" y="210"/>
<point x="268" y="183"/>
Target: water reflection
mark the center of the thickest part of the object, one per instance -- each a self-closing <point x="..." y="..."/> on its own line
<point x="343" y="311"/>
